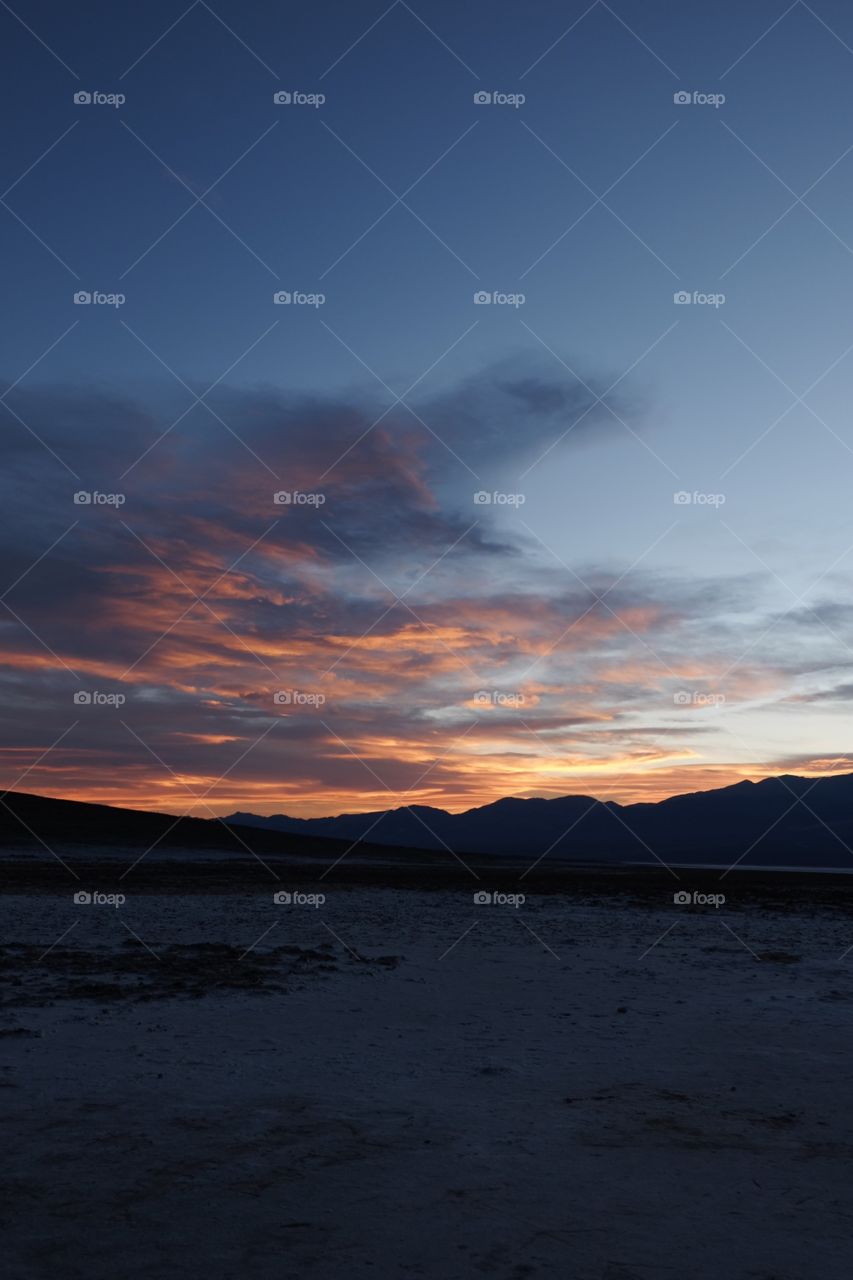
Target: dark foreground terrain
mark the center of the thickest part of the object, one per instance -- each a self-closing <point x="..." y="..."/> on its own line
<point x="387" y="1075"/>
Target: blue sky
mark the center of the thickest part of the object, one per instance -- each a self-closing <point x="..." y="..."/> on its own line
<point x="398" y="198"/>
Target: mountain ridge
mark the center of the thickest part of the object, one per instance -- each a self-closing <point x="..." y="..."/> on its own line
<point x="787" y="822"/>
<point x="788" y="817"/>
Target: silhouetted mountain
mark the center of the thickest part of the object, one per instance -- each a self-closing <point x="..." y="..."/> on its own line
<point x="42" y="822"/>
<point x="788" y="821"/>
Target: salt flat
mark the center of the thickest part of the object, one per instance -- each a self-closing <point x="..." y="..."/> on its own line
<point x="408" y="1083"/>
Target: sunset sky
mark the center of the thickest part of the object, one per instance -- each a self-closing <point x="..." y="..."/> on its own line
<point x="386" y="636"/>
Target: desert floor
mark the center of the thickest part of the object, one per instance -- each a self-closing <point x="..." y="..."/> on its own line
<point x="406" y="1083"/>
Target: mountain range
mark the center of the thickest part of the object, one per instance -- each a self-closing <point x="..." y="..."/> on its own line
<point x="787" y="821"/>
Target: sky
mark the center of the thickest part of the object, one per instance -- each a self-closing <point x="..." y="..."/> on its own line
<point x="424" y="403"/>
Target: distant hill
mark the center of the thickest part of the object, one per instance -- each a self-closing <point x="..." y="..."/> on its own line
<point x="788" y="821"/>
<point x="40" y="822"/>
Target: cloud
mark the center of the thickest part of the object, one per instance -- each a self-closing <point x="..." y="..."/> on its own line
<point x="382" y="611"/>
